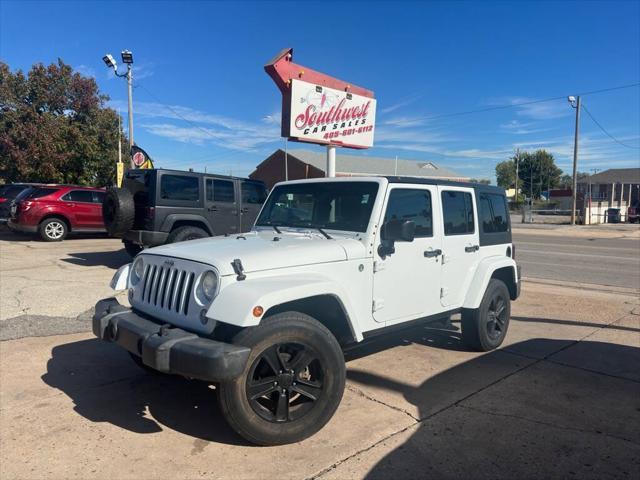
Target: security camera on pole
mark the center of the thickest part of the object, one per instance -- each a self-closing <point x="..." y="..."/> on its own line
<point x="127" y="58"/>
<point x="317" y="108"/>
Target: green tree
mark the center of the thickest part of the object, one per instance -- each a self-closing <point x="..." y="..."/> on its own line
<point x="537" y="172"/>
<point x="506" y="174"/>
<point x="55" y="127"/>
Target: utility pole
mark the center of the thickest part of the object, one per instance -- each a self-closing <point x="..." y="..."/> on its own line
<point x="575" y="103"/>
<point x="517" y="173"/>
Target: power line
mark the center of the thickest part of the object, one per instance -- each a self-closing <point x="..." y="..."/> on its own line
<point x="531" y="102"/>
<point x="605" y="132"/>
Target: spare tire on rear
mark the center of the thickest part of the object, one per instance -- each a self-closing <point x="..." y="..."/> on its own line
<point x="118" y="211"/>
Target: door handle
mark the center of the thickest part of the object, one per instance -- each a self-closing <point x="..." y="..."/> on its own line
<point x="244" y="210"/>
<point x="212" y="209"/>
<point x="432" y="253"/>
<point x="472" y="248"/>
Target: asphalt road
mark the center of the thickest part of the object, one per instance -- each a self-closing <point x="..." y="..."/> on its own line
<point x="602" y="261"/>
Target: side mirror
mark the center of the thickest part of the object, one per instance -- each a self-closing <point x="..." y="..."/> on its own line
<point x="399" y="231"/>
<point x="396" y="231"/>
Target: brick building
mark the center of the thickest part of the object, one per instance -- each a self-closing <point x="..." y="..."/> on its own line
<point x="309" y="164"/>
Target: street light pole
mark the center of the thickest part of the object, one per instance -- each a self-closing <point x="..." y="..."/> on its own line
<point x="130" y="88"/>
<point x="575" y="103"/>
<point x="110" y="62"/>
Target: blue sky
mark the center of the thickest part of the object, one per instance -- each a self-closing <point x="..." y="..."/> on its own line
<point x="203" y="61"/>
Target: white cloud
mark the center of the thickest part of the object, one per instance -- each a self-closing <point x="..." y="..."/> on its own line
<point x="199" y="128"/>
<point x="401" y="103"/>
<point x="404" y="121"/>
<point x="85" y="71"/>
<point x="517" y="127"/>
<point x="535" y="111"/>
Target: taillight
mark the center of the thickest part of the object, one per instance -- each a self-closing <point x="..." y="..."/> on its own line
<point x="2" y="200"/>
<point x="24" y="206"/>
<point x="149" y="212"/>
<point x="513" y="252"/>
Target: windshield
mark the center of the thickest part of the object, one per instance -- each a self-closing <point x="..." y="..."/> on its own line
<point x="331" y="205"/>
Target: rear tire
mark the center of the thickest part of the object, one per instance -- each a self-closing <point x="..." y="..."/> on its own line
<point x="118" y="211"/>
<point x="485" y="327"/>
<point x="53" y="229"/>
<point x="292" y="384"/>
<point x="182" y="234"/>
<point x="132" y="248"/>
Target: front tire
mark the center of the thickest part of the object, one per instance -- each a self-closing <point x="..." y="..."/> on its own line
<point x="485" y="327"/>
<point x="292" y="384"/>
<point x="182" y="234"/>
<point x="132" y="248"/>
<point x="53" y="230"/>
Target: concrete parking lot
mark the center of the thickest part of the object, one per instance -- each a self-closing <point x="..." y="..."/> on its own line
<point x="561" y="397"/>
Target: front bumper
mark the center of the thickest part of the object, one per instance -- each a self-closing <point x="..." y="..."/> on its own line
<point x="148" y="238"/>
<point x="165" y="348"/>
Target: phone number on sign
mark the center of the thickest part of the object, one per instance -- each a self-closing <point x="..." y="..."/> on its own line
<point x="347" y="132"/>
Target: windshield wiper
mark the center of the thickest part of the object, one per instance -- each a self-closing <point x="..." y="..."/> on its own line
<point x="326" y="235"/>
<point x="270" y="224"/>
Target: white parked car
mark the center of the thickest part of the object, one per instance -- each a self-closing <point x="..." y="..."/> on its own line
<point x="266" y="314"/>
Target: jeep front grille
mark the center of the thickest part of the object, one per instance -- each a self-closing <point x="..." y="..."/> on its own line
<point x="167" y="288"/>
<point x="166" y="292"/>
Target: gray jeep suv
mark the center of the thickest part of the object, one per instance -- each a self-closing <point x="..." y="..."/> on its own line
<point x="160" y="206"/>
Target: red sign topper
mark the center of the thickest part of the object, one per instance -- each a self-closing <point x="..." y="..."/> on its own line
<point x="321" y="109"/>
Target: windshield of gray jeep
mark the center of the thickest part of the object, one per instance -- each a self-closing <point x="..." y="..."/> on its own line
<point x="331" y="205"/>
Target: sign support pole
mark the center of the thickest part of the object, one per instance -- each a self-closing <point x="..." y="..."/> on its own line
<point x="331" y="161"/>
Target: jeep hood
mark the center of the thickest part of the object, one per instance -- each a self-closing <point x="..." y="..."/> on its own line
<point x="260" y="251"/>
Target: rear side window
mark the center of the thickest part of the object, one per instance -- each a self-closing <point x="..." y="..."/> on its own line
<point x="457" y="210"/>
<point x="178" y="187"/>
<point x="11" y="191"/>
<point x="42" y="192"/>
<point x="223" y="191"/>
<point x="413" y="205"/>
<point x="253" y="193"/>
<point x="85" y="196"/>
<point x="98" y="197"/>
<point x="493" y="213"/>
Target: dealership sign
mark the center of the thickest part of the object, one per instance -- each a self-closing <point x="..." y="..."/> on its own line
<point x="321" y="109"/>
<point x="326" y="115"/>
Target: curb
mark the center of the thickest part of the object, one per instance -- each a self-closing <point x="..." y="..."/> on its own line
<point x="584" y="286"/>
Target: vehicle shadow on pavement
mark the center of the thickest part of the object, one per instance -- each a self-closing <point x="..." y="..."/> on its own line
<point x="576" y="323"/>
<point x="545" y="419"/>
<point x="106" y="386"/>
<point x="110" y="259"/>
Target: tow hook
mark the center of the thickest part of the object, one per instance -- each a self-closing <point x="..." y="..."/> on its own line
<point x="164" y="330"/>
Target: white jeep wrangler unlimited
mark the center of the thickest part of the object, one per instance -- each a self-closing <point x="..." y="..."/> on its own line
<point x="329" y="262"/>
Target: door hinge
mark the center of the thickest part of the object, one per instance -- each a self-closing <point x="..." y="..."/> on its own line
<point x="378" y="304"/>
<point x="377" y="266"/>
<point x="444" y="292"/>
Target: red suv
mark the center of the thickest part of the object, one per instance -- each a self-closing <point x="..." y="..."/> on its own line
<point x="55" y="210"/>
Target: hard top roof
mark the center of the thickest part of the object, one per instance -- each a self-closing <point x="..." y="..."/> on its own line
<point x="448" y="183"/>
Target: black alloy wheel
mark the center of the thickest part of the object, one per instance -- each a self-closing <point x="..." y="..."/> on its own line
<point x="285" y="382"/>
<point x="496" y="317"/>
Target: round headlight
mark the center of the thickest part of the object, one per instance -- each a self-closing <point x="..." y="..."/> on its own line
<point x="138" y="270"/>
<point x="209" y="285"/>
